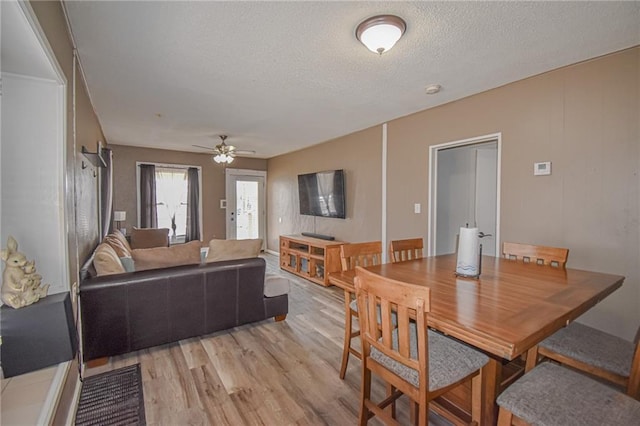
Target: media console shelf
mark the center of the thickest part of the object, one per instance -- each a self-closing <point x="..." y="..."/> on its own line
<point x="310" y="258"/>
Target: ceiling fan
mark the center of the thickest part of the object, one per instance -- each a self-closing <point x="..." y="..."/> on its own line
<point x="223" y="153"/>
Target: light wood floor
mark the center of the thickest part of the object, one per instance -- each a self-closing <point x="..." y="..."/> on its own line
<point x="262" y="373"/>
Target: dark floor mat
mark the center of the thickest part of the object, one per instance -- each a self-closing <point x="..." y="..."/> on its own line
<point x="112" y="398"/>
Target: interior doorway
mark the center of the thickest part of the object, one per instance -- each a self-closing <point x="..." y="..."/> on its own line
<point x="246" y="206"/>
<point x="464" y="190"/>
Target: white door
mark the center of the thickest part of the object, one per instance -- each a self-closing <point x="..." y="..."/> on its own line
<point x="464" y="191"/>
<point x="246" y="208"/>
<point x="485" y="196"/>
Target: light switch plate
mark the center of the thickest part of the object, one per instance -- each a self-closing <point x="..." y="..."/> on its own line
<point x="542" y="169"/>
<point x="416" y="208"/>
<point x="223" y="204"/>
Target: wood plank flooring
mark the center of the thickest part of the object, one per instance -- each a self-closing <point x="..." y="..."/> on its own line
<point x="265" y="373"/>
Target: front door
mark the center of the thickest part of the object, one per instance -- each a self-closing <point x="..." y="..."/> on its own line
<point x="246" y="209"/>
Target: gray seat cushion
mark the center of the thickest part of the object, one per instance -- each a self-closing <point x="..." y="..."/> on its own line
<point x="553" y="395"/>
<point x="449" y="361"/>
<point x="593" y="347"/>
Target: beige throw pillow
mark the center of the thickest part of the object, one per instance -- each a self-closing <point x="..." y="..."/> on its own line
<point x="122" y="239"/>
<point x="106" y="261"/>
<point x="164" y="257"/>
<point x="143" y="238"/>
<point x="121" y="249"/>
<point x="233" y="249"/>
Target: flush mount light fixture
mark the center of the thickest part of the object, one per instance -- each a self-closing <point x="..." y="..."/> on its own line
<point x="380" y="33"/>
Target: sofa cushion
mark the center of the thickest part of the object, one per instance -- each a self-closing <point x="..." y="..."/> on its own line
<point x="233" y="249"/>
<point x="275" y="285"/>
<point x="106" y="261"/>
<point x="164" y="257"/>
<point x="142" y="238"/>
<point x="120" y="245"/>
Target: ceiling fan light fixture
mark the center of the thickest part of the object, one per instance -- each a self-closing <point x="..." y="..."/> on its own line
<point x="380" y="33"/>
<point x="225" y="152"/>
<point x="223" y="158"/>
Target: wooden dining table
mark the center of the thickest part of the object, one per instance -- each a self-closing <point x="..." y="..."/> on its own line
<point x="510" y="308"/>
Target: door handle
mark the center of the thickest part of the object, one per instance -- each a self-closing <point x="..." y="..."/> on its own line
<point x="482" y="235"/>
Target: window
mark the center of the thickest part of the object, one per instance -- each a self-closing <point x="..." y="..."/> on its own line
<point x="171" y="200"/>
<point x="171" y="196"/>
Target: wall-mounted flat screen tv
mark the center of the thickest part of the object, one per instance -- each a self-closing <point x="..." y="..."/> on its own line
<point x="322" y="194"/>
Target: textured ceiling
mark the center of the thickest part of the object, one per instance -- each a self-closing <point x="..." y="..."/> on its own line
<point x="280" y="76"/>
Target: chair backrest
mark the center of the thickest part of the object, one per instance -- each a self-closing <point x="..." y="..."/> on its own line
<point x="541" y="255"/>
<point x="377" y="298"/>
<point x="360" y="254"/>
<point x="400" y="250"/>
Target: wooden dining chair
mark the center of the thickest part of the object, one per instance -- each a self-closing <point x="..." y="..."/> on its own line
<point x="551" y="394"/>
<point x="409" y="249"/>
<point x="594" y="352"/>
<point x="541" y="255"/>
<point x="352" y="255"/>
<point x="415" y="361"/>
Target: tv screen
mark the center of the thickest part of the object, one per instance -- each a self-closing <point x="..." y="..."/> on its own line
<point x="322" y="194"/>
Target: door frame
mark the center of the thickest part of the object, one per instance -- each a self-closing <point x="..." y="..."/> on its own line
<point x="227" y="185"/>
<point x="433" y="185"/>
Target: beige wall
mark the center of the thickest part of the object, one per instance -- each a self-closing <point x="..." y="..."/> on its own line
<point x="213" y="182"/>
<point x="583" y="118"/>
<point x="360" y="155"/>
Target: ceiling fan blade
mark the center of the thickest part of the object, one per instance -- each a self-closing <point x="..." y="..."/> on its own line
<point x="204" y="147"/>
<point x="243" y="152"/>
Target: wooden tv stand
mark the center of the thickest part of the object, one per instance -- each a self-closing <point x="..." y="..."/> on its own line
<point x="310" y="258"/>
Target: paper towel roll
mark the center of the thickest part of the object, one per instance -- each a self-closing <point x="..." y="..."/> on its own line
<point x="468" y="259"/>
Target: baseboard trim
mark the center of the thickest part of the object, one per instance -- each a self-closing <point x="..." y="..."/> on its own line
<point x="273" y="252"/>
<point x="71" y="415"/>
<point x="53" y="396"/>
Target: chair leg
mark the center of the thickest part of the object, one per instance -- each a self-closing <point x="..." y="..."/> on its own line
<point x="423" y="413"/>
<point x="476" y="399"/>
<point x="505" y="417"/>
<point x="532" y="359"/>
<point x="346" y="348"/>
<point x="365" y="395"/>
<point x="392" y="406"/>
<point x="413" y="412"/>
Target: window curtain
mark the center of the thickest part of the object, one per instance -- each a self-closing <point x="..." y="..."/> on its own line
<point x="106" y="193"/>
<point x="193" y="206"/>
<point x="148" y="211"/>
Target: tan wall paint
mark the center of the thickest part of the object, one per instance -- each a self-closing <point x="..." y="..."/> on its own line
<point x="360" y="155"/>
<point x="213" y="182"/>
<point x="583" y="118"/>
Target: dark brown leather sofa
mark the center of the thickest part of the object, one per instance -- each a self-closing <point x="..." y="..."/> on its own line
<point x="127" y="312"/>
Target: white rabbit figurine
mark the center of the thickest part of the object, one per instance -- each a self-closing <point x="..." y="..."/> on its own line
<point x="21" y="286"/>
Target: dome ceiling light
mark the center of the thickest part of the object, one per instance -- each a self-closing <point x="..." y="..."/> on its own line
<point x="380" y="33"/>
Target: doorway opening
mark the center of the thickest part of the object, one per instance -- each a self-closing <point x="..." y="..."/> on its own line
<point x="246" y="206"/>
<point x="464" y="190"/>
